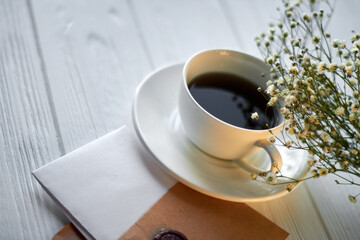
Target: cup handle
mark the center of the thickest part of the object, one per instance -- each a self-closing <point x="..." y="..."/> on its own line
<point x="274" y="154"/>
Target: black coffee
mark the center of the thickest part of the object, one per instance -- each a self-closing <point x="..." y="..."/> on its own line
<point x="232" y="99"/>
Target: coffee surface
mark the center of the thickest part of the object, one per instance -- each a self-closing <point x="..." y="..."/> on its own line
<point x="232" y="99"/>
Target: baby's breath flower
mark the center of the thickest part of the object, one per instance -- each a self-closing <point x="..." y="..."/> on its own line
<point x="323" y="172"/>
<point x="294" y="70"/>
<point x="271" y="178"/>
<point x="290" y="99"/>
<point x="270" y="60"/>
<point x="272" y="138"/>
<point x="306" y="79"/>
<point x="332" y="67"/>
<point x="272" y="31"/>
<point x="356" y="94"/>
<point x="325" y="137"/>
<point x="271" y="90"/>
<point x="273" y="101"/>
<point x="280" y="81"/>
<point x="357" y="44"/>
<point x="306" y="17"/>
<point x="321" y="67"/>
<point x="313" y="119"/>
<point x="255" y="116"/>
<point x="311" y="162"/>
<point x="342" y="44"/>
<point x="316" y="40"/>
<point x="290" y="187"/>
<point x="354" y="152"/>
<point x="291" y="131"/>
<point x="289" y="144"/>
<point x="349" y="70"/>
<point x="310" y="90"/>
<point x="315" y="173"/>
<point x="352" y="199"/>
<point x="335" y="43"/>
<point x="352" y="117"/>
<point x="354" y="108"/>
<point x="293" y="24"/>
<point x="355" y="50"/>
<point x="340" y="111"/>
<point x="253" y="176"/>
<point x="342" y="66"/>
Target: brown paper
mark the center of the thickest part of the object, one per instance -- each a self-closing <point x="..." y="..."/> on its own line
<point x="69" y="232"/>
<point x="201" y="217"/>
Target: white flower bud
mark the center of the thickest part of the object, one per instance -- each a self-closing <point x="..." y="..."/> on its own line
<point x="356" y="94"/>
<point x="352" y="199"/>
<point x="349" y="70"/>
<point x="273" y="101"/>
<point x="321" y="67"/>
<point x="255" y="116"/>
<point x="352" y="117"/>
<point x="325" y="137"/>
<point x="272" y="138"/>
<point x="342" y="44"/>
<point x="354" y="108"/>
<point x="357" y="44"/>
<point x="332" y="67"/>
<point x="306" y="17"/>
<point x="340" y="111"/>
<point x="271" y="178"/>
<point x="284" y="110"/>
<point x="335" y="43"/>
<point x="294" y="70"/>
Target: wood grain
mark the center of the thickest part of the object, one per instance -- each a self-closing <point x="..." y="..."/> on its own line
<point x="95" y="59"/>
<point x="28" y="136"/>
<point x="68" y="72"/>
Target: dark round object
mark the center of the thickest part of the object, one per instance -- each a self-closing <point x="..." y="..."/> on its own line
<point x="168" y="234"/>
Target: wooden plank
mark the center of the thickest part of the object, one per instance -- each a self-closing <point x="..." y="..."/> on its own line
<point x="28" y="136"/>
<point x="95" y="59"/>
<point x="173" y="30"/>
<point x="340" y="217"/>
<point x="248" y="20"/>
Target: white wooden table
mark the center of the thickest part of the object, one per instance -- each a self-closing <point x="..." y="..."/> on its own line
<point x="68" y="72"/>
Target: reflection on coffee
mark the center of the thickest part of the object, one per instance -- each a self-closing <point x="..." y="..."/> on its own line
<point x="232" y="99"/>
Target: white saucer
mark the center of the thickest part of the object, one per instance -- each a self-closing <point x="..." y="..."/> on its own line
<point x="159" y="127"/>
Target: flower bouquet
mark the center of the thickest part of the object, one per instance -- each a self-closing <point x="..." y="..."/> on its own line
<point x="315" y="82"/>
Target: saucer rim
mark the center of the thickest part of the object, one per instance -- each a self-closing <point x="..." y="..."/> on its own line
<point x="174" y="174"/>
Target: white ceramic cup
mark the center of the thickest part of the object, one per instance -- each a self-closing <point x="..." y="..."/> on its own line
<point x="214" y="136"/>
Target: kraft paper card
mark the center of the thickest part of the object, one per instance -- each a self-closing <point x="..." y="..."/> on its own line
<point x="200" y="217"/>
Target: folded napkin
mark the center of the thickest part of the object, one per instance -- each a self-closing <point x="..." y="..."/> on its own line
<point x="105" y="186"/>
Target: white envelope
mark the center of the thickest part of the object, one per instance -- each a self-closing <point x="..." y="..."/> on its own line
<point x="105" y="186"/>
